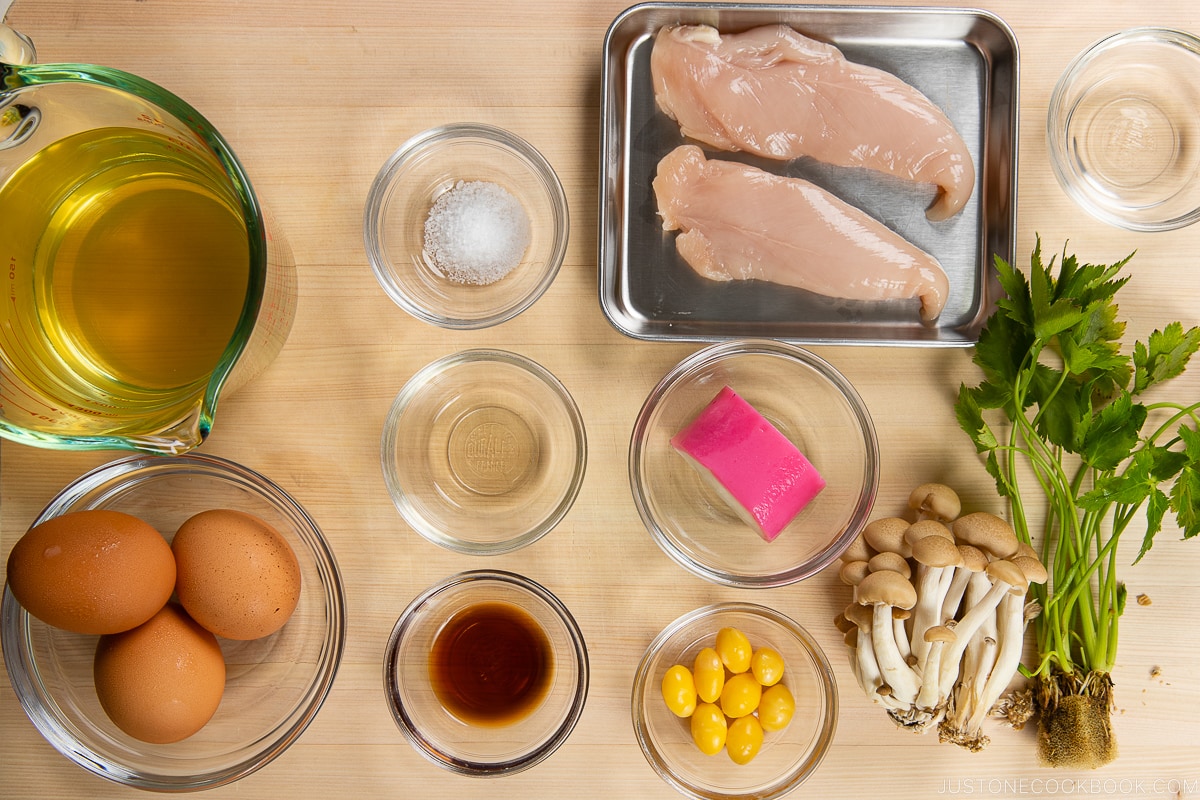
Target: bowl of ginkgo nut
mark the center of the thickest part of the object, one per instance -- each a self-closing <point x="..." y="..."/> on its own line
<point x="466" y="226"/>
<point x="681" y="748"/>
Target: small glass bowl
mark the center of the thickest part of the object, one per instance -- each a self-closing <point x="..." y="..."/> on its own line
<point x="483" y="452"/>
<point x="787" y="757"/>
<point x="813" y="406"/>
<point x="482" y="750"/>
<point x="1122" y="128"/>
<point x="274" y="685"/>
<point x="405" y="190"/>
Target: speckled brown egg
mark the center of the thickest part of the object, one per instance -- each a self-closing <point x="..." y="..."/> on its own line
<point x="162" y="681"/>
<point x="236" y="574"/>
<point x="95" y="571"/>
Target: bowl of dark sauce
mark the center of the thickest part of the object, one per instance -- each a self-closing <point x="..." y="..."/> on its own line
<point x="486" y="673"/>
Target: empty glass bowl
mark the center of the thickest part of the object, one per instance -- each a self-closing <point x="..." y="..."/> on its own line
<point x="406" y="188"/>
<point x="274" y="685"/>
<point x="813" y="406"/>
<point x="787" y="757"/>
<point x="1122" y="129"/>
<point x="483" y="451"/>
<point x="412" y="680"/>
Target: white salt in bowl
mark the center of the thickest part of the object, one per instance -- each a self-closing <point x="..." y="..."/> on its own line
<point x="806" y="400"/>
<point x="481" y="174"/>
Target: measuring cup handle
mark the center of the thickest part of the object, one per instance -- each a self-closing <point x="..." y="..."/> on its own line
<point x="15" y="47"/>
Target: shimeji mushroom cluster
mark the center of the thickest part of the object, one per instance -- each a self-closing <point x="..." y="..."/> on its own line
<point x="937" y="623"/>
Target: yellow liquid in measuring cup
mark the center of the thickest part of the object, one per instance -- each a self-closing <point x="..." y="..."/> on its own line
<point x="132" y="255"/>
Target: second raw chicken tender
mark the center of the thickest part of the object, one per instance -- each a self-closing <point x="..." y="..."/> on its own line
<point x="775" y="93"/>
<point x="741" y="223"/>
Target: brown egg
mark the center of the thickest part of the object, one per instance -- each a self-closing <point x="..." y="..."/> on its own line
<point x="94" y="571"/>
<point x="237" y="575"/>
<point x="163" y="680"/>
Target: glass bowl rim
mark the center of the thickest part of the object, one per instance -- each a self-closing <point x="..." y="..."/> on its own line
<point x="1059" y="160"/>
<point x="412" y="389"/>
<point x="715" y="353"/>
<point x="404" y="623"/>
<point x="822" y="669"/>
<point x="16" y="637"/>
<point x="379" y="198"/>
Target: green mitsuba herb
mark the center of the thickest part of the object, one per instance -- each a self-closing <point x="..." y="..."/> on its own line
<point x="1062" y="406"/>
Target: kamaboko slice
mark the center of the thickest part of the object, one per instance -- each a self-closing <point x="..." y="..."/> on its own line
<point x="775" y="93"/>
<point x="742" y="223"/>
<point x="759" y="474"/>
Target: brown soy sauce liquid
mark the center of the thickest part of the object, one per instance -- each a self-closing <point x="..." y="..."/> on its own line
<point x="491" y="664"/>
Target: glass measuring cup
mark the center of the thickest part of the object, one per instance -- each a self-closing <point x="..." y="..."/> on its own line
<point x="140" y="277"/>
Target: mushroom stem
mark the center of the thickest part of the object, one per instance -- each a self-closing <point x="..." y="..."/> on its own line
<point x="1010" y="617"/>
<point x="901" y="634"/>
<point x="934" y="556"/>
<point x="925" y="613"/>
<point x="974" y="676"/>
<point x="1006" y="576"/>
<point x="896" y="671"/>
<point x="929" y="697"/>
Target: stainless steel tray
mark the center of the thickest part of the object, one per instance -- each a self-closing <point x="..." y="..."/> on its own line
<point x="964" y="60"/>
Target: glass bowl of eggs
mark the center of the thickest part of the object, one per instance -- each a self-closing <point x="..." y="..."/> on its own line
<point x="734" y="700"/>
<point x="466" y="226"/>
<point x="754" y="463"/>
<point x="218" y="680"/>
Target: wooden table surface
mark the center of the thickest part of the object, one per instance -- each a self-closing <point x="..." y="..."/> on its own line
<point x="314" y="96"/>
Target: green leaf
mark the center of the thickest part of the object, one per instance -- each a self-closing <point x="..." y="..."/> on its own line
<point x="1156" y="509"/>
<point x="1004" y="486"/>
<point x="1063" y="416"/>
<point x="1129" y="488"/>
<point x="1185" y="494"/>
<point x="970" y="418"/>
<point x="1113" y="434"/>
<point x="1003" y="348"/>
<point x="1016" y="289"/>
<point x="1191" y="442"/>
<point x="1164" y="356"/>
<point x="1165" y="462"/>
<point x="1059" y="316"/>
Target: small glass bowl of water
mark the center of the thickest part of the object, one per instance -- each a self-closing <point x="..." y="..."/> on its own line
<point x="483" y="451"/>
<point x="1123" y="127"/>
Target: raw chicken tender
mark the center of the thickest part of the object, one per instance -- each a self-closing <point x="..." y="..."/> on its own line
<point x="741" y="223"/>
<point x="778" y="94"/>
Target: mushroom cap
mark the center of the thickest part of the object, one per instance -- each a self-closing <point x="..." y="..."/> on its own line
<point x="858" y="616"/>
<point x="1010" y="573"/>
<point x="901" y="614"/>
<point x="858" y="550"/>
<point x="939" y="633"/>
<point x="842" y="624"/>
<point x="889" y="560"/>
<point x="852" y="572"/>
<point x="1032" y="568"/>
<point x="973" y="558"/>
<point x="988" y="532"/>
<point x="888" y="588"/>
<point x="1025" y="549"/>
<point x="851" y="637"/>
<point x="935" y="501"/>
<point x="887" y="535"/>
<point x="934" y="551"/>
<point x="927" y="527"/>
